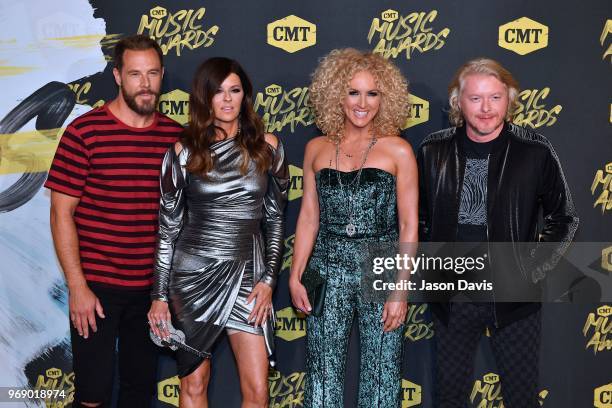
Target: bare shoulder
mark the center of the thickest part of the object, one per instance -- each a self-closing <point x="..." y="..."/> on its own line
<point x="178" y="148"/>
<point x="316" y="144"/>
<point x="271" y="140"/>
<point x="396" y="146"/>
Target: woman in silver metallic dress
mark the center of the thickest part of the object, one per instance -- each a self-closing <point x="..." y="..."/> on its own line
<point x="220" y="241"/>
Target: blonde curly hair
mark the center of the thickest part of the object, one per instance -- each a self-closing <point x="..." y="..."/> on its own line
<point x="330" y="83"/>
<point x="483" y="66"/>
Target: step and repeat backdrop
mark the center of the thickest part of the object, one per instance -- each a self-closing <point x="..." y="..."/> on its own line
<point x="55" y="64"/>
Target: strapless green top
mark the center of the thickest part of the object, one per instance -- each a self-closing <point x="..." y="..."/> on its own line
<point x="374" y="215"/>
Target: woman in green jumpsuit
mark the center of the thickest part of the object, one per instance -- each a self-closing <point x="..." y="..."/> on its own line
<point x="360" y="187"/>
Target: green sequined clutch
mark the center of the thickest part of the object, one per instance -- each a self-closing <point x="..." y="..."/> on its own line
<point x="315" y="286"/>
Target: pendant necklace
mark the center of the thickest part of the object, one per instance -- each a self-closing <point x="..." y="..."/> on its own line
<point x="352" y="187"/>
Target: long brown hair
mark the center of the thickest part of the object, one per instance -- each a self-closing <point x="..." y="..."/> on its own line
<point x="201" y="131"/>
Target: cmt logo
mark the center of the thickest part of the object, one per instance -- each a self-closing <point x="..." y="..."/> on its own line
<point x="65" y="28"/>
<point x="389" y="15"/>
<point x="273" y="90"/>
<point x="604" y="34"/>
<point x="523" y="36"/>
<point x="292" y="33"/>
<point x="419" y="111"/>
<point x="296" y="187"/>
<point x="53" y="373"/>
<point x="411" y="394"/>
<point x="603" y="396"/>
<point x="289" y="326"/>
<point x="490" y="378"/>
<point x="168" y="390"/>
<point x="158" y="12"/>
<point x="604" y="311"/>
<point x="175" y="104"/>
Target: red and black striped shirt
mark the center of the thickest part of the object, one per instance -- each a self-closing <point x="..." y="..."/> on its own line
<point x="114" y="169"/>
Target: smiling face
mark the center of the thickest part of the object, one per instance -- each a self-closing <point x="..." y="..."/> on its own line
<point x="362" y="101"/>
<point x="140" y="80"/>
<point x="484" y="102"/>
<point x="227" y="100"/>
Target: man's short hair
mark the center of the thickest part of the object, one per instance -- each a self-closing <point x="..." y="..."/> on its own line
<point x="138" y="42"/>
<point x="483" y="66"/>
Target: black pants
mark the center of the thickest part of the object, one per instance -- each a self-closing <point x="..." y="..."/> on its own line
<point x="124" y="328"/>
<point x="515" y="348"/>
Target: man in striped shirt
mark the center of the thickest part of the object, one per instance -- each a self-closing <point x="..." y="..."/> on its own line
<point x="104" y="183"/>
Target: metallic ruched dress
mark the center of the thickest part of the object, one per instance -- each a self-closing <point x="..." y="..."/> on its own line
<point x="218" y="237"/>
<point x="337" y="257"/>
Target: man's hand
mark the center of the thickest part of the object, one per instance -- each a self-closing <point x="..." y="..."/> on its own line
<point x="83" y="306"/>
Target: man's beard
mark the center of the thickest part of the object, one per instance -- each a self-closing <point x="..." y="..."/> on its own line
<point x="145" y="108"/>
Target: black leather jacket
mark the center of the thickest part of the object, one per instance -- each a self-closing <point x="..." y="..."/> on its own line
<point x="524" y="179"/>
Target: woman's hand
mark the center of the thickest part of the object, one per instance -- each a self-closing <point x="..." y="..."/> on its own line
<point x="394" y="315"/>
<point x="159" y="317"/>
<point x="262" y="294"/>
<point x="299" y="298"/>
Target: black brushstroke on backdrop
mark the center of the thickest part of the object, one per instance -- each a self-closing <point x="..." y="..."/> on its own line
<point x="50" y="105"/>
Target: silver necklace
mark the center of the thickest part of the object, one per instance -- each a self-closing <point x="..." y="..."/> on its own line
<point x="351" y="228"/>
<point x="351" y="155"/>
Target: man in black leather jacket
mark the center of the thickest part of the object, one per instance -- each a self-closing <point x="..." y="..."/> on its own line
<point x="489" y="181"/>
